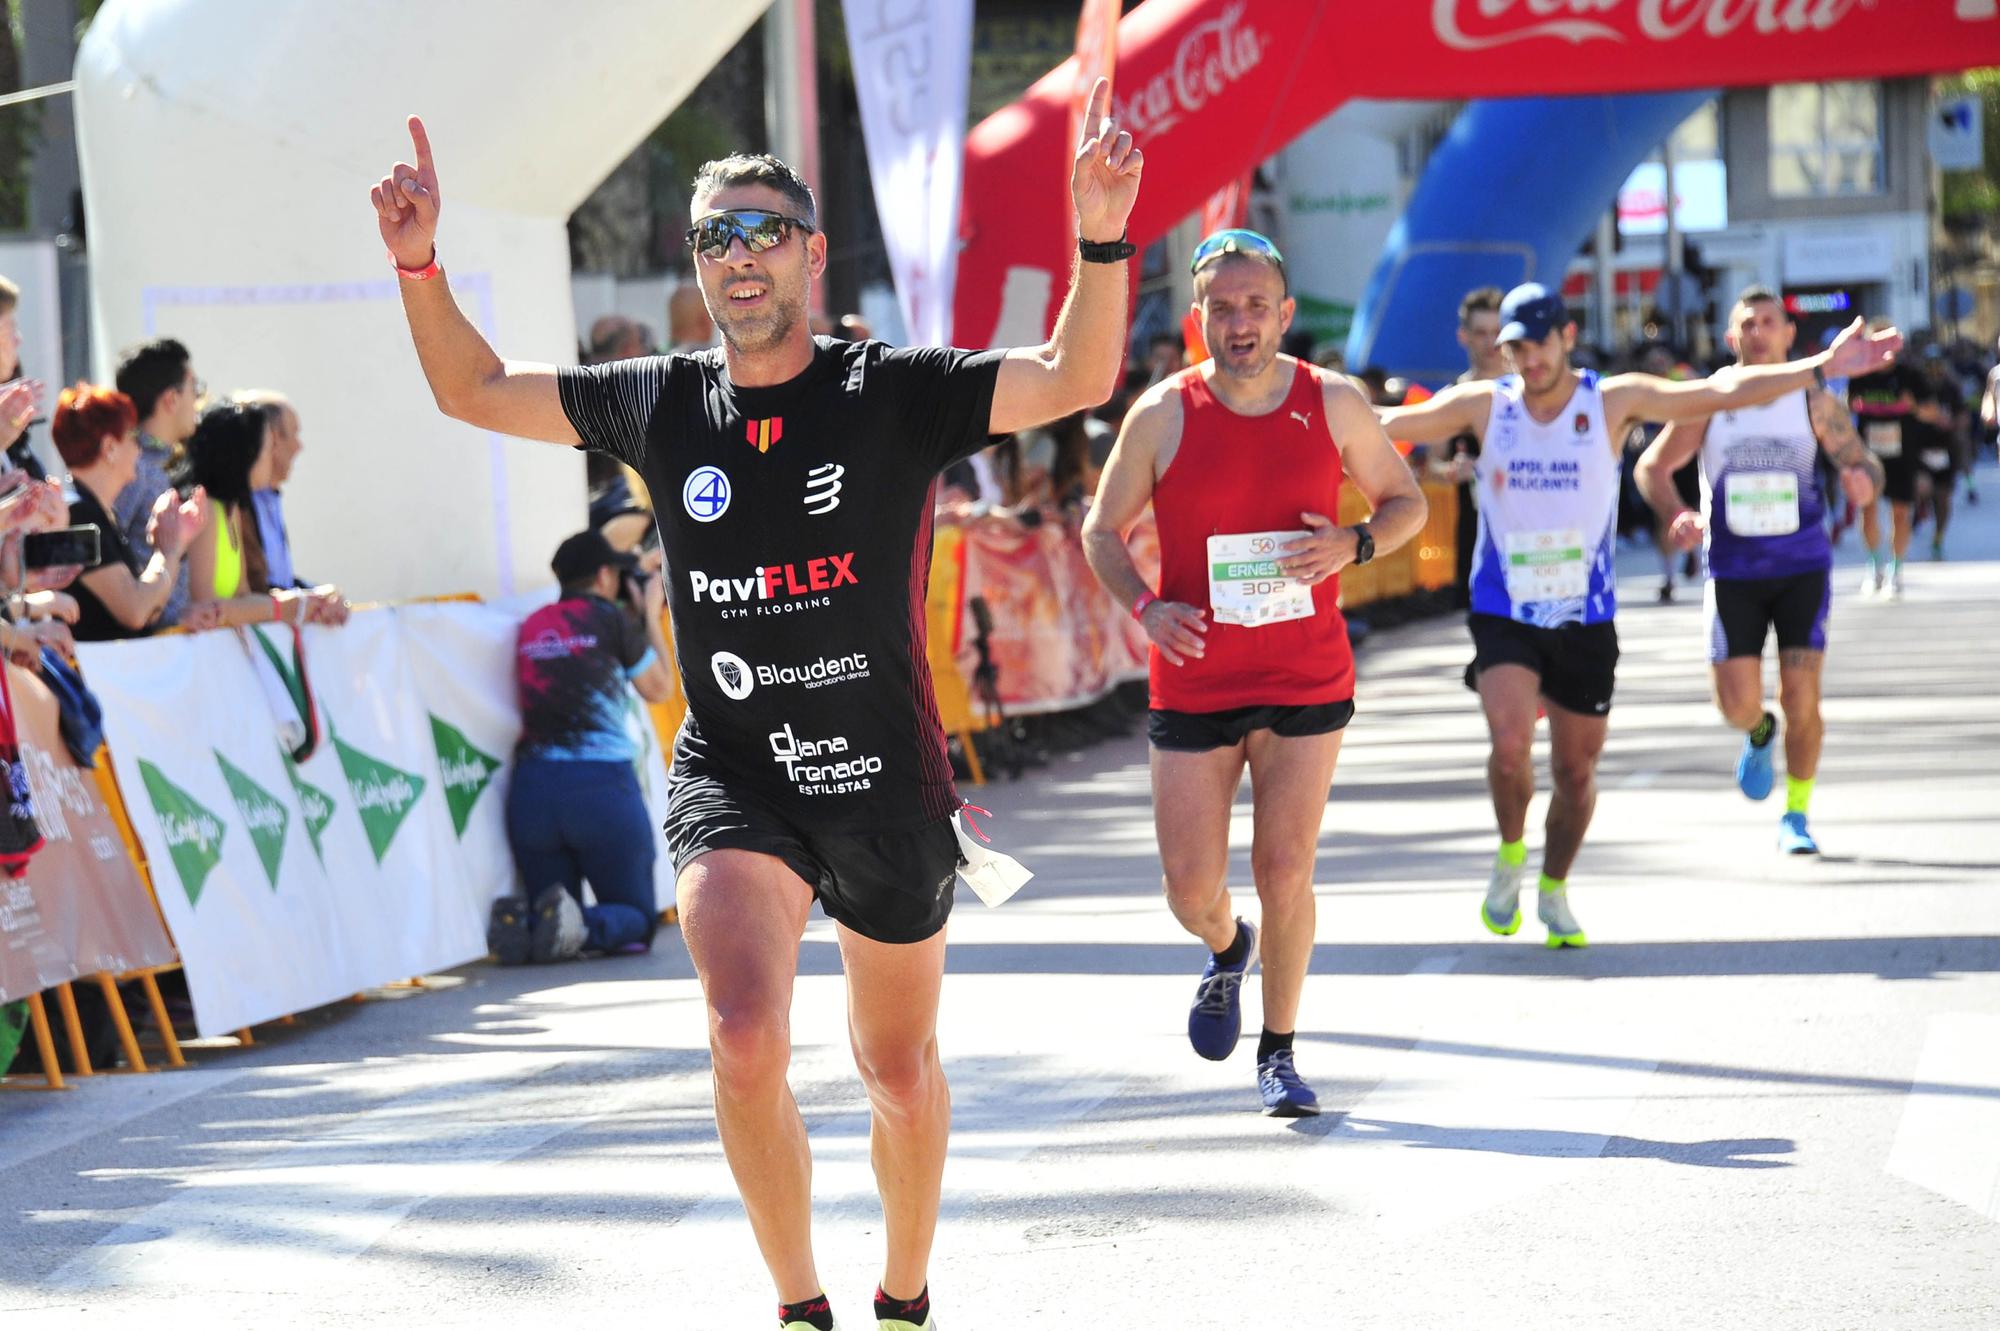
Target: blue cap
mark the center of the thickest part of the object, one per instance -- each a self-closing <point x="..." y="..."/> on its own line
<point x="1530" y="313"/>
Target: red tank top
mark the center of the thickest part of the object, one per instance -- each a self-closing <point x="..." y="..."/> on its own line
<point x="1234" y="474"/>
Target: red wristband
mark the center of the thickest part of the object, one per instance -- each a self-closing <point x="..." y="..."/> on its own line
<point x="423" y="274"/>
<point x="277" y="615"/>
<point x="1139" y="606"/>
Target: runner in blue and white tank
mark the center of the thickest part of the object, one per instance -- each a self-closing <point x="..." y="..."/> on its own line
<point x="1763" y="522"/>
<point x="1543" y="591"/>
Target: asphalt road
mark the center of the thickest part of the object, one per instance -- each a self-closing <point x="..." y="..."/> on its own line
<point x="1767" y="1095"/>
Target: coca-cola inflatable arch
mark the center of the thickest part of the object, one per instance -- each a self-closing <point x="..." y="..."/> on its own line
<point x="1212" y="87"/>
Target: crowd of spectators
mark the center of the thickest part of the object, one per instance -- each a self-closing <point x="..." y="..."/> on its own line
<point x="185" y="494"/>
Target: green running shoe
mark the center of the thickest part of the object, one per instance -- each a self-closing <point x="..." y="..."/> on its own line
<point x="1554" y="910"/>
<point x="1501" y="911"/>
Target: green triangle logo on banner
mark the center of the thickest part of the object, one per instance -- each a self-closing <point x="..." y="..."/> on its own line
<point x="467" y="769"/>
<point x="262" y="814"/>
<point x="316" y="804"/>
<point x="194" y="835"/>
<point x="383" y="795"/>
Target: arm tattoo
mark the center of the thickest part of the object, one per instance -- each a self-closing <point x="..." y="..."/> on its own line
<point x="1835" y="428"/>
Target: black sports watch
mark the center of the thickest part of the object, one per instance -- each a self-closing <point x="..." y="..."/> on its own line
<point x="1106" y="251"/>
<point x="1364" y="543"/>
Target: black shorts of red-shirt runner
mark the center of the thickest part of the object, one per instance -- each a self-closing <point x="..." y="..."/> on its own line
<point x="1577" y="663"/>
<point x="1200" y="732"/>
<point x="893" y="887"/>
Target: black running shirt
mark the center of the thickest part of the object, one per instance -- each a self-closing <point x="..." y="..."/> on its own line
<point x="797" y="526"/>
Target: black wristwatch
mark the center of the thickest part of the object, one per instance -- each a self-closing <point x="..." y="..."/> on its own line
<point x="1105" y="251"/>
<point x="1364" y="543"/>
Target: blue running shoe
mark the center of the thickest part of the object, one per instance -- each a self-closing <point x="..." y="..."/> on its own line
<point x="1285" y="1093"/>
<point x="1215" y="1022"/>
<point x="1793" y="839"/>
<point x="1753" y="765"/>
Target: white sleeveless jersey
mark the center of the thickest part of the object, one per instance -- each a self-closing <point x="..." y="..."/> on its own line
<point x="1760" y="491"/>
<point x="1548" y="511"/>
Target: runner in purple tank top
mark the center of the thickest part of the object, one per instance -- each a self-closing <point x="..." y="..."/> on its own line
<point x="1763" y="521"/>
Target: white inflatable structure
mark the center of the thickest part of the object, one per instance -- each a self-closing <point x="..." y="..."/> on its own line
<point x="228" y="147"/>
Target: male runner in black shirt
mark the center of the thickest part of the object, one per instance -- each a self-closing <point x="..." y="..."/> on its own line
<point x="792" y="480"/>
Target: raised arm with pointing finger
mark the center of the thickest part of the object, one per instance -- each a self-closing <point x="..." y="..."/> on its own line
<point x="470" y="382"/>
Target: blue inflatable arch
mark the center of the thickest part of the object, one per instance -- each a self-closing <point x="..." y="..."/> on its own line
<point x="1511" y="194"/>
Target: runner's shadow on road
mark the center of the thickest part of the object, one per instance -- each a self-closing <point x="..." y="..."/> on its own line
<point x="1890" y="862"/>
<point x="1554" y="1144"/>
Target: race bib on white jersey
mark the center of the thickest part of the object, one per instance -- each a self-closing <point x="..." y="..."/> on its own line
<point x="1885" y="438"/>
<point x="1245" y="586"/>
<point x="1546" y="565"/>
<point x="1761" y="503"/>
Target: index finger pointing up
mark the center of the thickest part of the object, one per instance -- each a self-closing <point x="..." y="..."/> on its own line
<point x="1100" y="102"/>
<point x="426" y="168"/>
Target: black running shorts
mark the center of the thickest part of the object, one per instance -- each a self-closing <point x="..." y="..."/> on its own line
<point x="893" y="887"/>
<point x="1198" y="732"/>
<point x="1577" y="662"/>
<point x="1742" y="611"/>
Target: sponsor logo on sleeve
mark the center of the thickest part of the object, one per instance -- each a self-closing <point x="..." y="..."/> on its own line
<point x="823" y="766"/>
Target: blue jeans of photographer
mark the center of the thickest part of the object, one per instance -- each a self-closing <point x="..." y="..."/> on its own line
<point x="571" y="821"/>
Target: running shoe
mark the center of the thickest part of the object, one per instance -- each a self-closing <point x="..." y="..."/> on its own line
<point x="808" y="1326"/>
<point x="898" y="1324"/>
<point x="507" y="935"/>
<point x="1501" y="911"/>
<point x="1793" y="838"/>
<point x="1894" y="591"/>
<point x="557" y="931"/>
<point x="1871" y="579"/>
<point x="1285" y="1093"/>
<point x="1554" y="910"/>
<point x="1753" y="765"/>
<point x="1215" y="1022"/>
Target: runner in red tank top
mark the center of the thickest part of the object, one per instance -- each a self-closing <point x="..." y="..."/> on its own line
<point x="1242" y="459"/>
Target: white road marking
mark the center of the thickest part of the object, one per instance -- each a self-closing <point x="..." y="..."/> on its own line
<point x="1949" y="1139"/>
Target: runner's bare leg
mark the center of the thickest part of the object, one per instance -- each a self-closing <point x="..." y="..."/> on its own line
<point x="892" y="1006"/>
<point x="742" y="915"/>
<point x="1291" y="778"/>
<point x="1192" y="797"/>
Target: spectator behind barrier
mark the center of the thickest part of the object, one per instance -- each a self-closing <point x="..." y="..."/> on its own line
<point x="575" y="811"/>
<point x="159" y="377"/>
<point x="20" y="398"/>
<point x="230" y="456"/>
<point x="97" y="432"/>
<point x="38" y="613"/>
<point x="287" y="441"/>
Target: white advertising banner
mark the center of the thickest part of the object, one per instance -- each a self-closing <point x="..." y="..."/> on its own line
<point x="290" y="884"/>
<point x="260" y="930"/>
<point x="912" y="65"/>
<point x="1339" y="193"/>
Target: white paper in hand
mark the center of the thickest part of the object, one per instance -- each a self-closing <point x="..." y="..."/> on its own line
<point x="994" y="876"/>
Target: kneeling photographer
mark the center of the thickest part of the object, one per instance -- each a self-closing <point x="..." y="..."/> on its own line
<point x="575" y="810"/>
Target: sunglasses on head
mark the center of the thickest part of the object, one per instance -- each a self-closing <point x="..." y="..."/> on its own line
<point x="1236" y="240"/>
<point x="757" y="228"/>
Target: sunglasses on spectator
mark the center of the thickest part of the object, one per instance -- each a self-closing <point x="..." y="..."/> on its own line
<point x="757" y="228"/>
<point x="1236" y="240"/>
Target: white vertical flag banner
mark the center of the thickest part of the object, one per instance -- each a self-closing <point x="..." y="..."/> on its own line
<point x="912" y="64"/>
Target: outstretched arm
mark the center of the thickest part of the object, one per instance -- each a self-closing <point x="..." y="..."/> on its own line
<point x="1460" y="409"/>
<point x="1645" y="397"/>
<point x="1078" y="366"/>
<point x="469" y="382"/>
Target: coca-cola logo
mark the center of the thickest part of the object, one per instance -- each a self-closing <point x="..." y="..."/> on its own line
<point x="1212" y="56"/>
<point x="1478" y="25"/>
